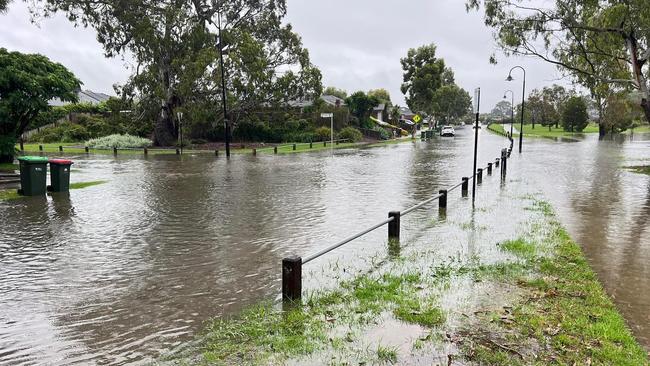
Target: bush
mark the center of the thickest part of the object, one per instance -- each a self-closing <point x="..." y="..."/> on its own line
<point x="351" y="134"/>
<point x="98" y="126"/>
<point x="323" y="133"/>
<point x="118" y="141"/>
<point x="65" y="132"/>
<point x="382" y="132"/>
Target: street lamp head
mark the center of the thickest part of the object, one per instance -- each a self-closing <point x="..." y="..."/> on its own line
<point x="505" y="96"/>
<point x="509" y="78"/>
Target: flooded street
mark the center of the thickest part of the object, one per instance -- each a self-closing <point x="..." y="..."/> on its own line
<point x="126" y="271"/>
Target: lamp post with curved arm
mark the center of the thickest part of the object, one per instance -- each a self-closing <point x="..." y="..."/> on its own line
<point x="512" y="108"/>
<point x="523" y="101"/>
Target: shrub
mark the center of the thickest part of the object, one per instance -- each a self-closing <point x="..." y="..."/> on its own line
<point x="323" y="133"/>
<point x="98" y="126"/>
<point x="118" y="141"/>
<point x="382" y="132"/>
<point x="65" y="132"/>
<point x="351" y="134"/>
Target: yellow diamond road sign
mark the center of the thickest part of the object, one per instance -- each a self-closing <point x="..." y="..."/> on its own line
<point x="417" y="118"/>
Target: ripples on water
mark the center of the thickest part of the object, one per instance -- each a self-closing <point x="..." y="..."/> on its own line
<point x="121" y="272"/>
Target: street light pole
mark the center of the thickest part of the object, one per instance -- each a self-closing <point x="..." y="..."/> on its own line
<point x="180" y="128"/>
<point x="512" y="108"/>
<point x="523" y="103"/>
<point x="223" y="87"/>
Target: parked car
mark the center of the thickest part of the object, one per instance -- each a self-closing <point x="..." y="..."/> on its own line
<point x="447" y="131"/>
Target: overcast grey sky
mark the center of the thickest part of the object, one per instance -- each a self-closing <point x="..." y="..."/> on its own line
<point x="357" y="44"/>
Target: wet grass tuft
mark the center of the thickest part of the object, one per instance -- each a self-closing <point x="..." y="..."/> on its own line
<point x="387" y="354"/>
<point x="519" y="247"/>
<point x="82" y="185"/>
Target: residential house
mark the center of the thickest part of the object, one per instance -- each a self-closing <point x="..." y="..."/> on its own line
<point x="85" y="96"/>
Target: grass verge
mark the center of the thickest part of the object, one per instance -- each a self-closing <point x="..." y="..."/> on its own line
<point x="641" y="169"/>
<point x="8" y="167"/>
<point x="12" y="194"/>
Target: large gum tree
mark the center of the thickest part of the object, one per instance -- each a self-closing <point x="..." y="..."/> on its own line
<point x="603" y="44"/>
<point x="174" y="45"/>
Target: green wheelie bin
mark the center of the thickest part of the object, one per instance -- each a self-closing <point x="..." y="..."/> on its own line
<point x="59" y="175"/>
<point x="33" y="175"/>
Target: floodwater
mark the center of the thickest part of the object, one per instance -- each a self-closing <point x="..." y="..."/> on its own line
<point x="123" y="272"/>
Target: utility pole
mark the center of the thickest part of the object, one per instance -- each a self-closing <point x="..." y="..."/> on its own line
<point x="223" y="86"/>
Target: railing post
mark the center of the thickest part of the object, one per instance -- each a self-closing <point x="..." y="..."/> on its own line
<point x="479" y="176"/>
<point x="114" y="151"/>
<point x="496" y="162"/>
<point x="311" y="145"/>
<point x="254" y="152"/>
<point x="60" y="148"/>
<point x="324" y="143"/>
<point x="22" y="145"/>
<point x="465" y="186"/>
<point x="146" y="151"/>
<point x="442" y="201"/>
<point x="275" y="149"/>
<point x="86" y="149"/>
<point x="393" y="226"/>
<point x="216" y="152"/>
<point x="40" y="147"/>
<point x="292" y="278"/>
<point x="178" y="152"/>
<point x="489" y="169"/>
<point x="294" y="147"/>
<point x="337" y="142"/>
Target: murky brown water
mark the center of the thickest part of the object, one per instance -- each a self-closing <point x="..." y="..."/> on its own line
<point x="123" y="272"/>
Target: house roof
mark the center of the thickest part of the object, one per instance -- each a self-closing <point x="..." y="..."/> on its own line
<point x="332" y="99"/>
<point x="379" y="107"/>
<point x="328" y="99"/>
<point x="85" y="96"/>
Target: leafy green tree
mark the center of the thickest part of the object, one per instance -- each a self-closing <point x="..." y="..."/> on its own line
<point x="173" y="44"/>
<point x="381" y="94"/>
<point x="395" y="113"/>
<point x="448" y="77"/>
<point x="422" y="78"/>
<point x="597" y="42"/>
<point x="4" y="4"/>
<point x="330" y="90"/>
<point x="502" y="110"/>
<point x="451" y="102"/>
<point x="574" y="115"/>
<point x="27" y="82"/>
<point x="361" y="105"/>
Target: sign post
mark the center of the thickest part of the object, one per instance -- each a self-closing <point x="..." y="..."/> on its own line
<point x="477" y="104"/>
<point x="331" y="117"/>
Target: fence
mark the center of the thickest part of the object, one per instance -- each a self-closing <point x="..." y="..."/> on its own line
<point x="292" y="265"/>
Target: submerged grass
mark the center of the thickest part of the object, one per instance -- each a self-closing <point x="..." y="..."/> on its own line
<point x="12" y="194"/>
<point x="8" y="167"/>
<point x="641" y="169"/>
<point x="561" y="314"/>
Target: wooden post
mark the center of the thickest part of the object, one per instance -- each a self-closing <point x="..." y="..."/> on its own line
<point x="465" y="186"/>
<point x="254" y="152"/>
<point x="146" y="151"/>
<point x="60" y="148"/>
<point x="87" y="149"/>
<point x="442" y="201"/>
<point x="489" y="169"/>
<point x="216" y="152"/>
<point x="311" y="145"/>
<point x="294" y="147"/>
<point x="479" y="176"/>
<point x="393" y="226"/>
<point x="292" y="278"/>
<point x="40" y="147"/>
<point x="496" y="162"/>
<point x="178" y="152"/>
<point x="22" y="146"/>
<point x="275" y="149"/>
<point x="114" y="151"/>
<point x="324" y="143"/>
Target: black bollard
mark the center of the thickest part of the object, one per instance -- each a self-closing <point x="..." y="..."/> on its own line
<point x="294" y="147"/>
<point x="465" y="186"/>
<point x="496" y="162"/>
<point x="114" y="151"/>
<point x="337" y="142"/>
<point x="88" y="150"/>
<point x="146" y="151"/>
<point x="479" y="176"/>
<point x="254" y="152"/>
<point x="393" y="226"/>
<point x="60" y="148"/>
<point x="40" y="147"/>
<point x="311" y="145"/>
<point x="275" y="149"/>
<point x="489" y="169"/>
<point x="216" y="152"/>
<point x="178" y="152"/>
<point x="324" y="143"/>
<point x="22" y="145"/>
<point x="442" y="201"/>
<point x="292" y="278"/>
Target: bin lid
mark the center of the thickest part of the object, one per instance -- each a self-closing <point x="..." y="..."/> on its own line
<point x="33" y="159"/>
<point x="61" y="161"/>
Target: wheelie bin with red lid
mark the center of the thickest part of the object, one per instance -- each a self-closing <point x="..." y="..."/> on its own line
<point x="59" y="175"/>
<point x="33" y="175"/>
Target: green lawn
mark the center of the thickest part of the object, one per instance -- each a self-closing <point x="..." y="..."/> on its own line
<point x="12" y="194"/>
<point x="543" y="131"/>
<point x="8" y="167"/>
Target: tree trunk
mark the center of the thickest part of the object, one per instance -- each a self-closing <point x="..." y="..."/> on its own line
<point x="164" y="133"/>
<point x="637" y="71"/>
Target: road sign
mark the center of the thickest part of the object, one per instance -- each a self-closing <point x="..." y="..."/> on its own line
<point x="327" y="115"/>
<point x="477" y="99"/>
<point x="417" y="118"/>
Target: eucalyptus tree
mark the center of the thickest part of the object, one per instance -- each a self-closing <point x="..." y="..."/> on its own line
<point x="174" y="46"/>
<point x="423" y="72"/>
<point x="604" y="45"/>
